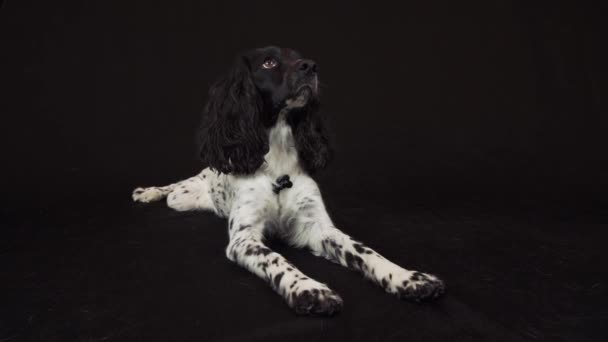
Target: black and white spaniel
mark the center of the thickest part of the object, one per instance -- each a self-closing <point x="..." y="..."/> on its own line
<point x="262" y="137"/>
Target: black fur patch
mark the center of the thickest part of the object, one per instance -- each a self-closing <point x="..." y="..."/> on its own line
<point x="417" y="276"/>
<point x="353" y="261"/>
<point x="359" y="248"/>
<point x="257" y="250"/>
<point x="277" y="280"/>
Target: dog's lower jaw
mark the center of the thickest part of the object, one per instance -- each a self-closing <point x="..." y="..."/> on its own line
<point x="300" y="100"/>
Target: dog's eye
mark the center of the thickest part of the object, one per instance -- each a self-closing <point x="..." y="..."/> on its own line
<point x="269" y="63"/>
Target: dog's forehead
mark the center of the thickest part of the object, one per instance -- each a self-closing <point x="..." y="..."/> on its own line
<point x="285" y="53"/>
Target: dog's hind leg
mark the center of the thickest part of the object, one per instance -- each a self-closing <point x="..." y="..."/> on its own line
<point x="189" y="194"/>
<point x="153" y="193"/>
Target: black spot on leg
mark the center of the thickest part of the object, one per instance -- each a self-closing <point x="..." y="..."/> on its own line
<point x="277" y="280"/>
<point x="418" y="276"/>
<point x="353" y="261"/>
<point x="293" y="284"/>
<point x="384" y="283"/>
<point x="349" y="258"/>
<point x="275" y="261"/>
<point x="359" y="248"/>
<point x="244" y="226"/>
<point x="257" y="250"/>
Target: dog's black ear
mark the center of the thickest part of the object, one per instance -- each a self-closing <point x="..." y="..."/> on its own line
<point x="232" y="136"/>
<point x="311" y="134"/>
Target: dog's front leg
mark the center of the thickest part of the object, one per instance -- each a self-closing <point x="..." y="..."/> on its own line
<point x="252" y="213"/>
<point x="310" y="226"/>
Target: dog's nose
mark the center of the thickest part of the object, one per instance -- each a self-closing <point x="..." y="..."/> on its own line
<point x="307" y="66"/>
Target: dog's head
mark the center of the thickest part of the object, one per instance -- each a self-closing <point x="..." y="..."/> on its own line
<point x="283" y="78"/>
<point x="247" y="101"/>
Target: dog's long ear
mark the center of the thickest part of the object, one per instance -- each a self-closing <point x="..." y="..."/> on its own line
<point x="232" y="136"/>
<point x="311" y="134"/>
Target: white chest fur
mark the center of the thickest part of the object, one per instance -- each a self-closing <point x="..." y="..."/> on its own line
<point x="282" y="157"/>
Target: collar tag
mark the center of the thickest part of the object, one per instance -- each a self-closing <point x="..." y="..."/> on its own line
<point x="281" y="183"/>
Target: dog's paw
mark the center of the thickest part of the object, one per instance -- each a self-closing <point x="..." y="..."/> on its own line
<point x="147" y="195"/>
<point x="415" y="286"/>
<point x="315" y="300"/>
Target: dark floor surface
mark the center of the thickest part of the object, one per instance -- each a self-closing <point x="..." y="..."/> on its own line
<point x="129" y="272"/>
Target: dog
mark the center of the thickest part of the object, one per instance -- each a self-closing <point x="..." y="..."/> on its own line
<point x="261" y="138"/>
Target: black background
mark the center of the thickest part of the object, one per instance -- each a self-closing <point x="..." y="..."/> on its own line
<point x="470" y="142"/>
